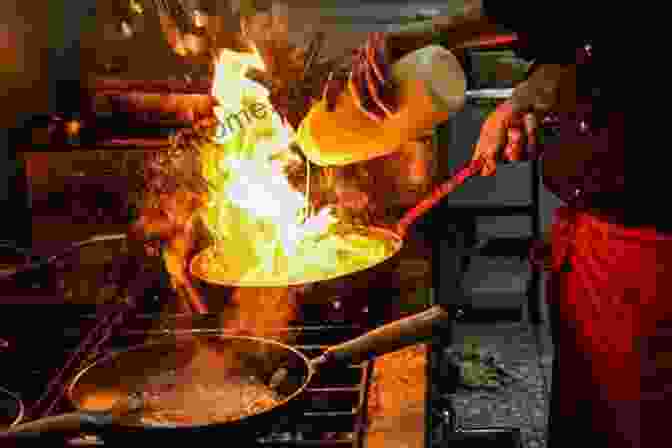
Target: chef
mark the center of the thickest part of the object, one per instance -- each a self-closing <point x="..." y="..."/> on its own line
<point x="612" y="315"/>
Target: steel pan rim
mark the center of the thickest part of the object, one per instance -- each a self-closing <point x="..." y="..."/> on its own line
<point x="21" y="408"/>
<point x="197" y="273"/>
<point x="107" y="358"/>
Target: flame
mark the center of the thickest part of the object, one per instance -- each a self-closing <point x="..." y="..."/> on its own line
<point x="255" y="211"/>
<point x="230" y="84"/>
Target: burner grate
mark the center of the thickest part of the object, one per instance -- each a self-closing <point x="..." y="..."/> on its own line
<point x="334" y="403"/>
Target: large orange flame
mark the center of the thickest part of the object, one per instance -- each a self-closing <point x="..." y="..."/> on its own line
<point x="255" y="210"/>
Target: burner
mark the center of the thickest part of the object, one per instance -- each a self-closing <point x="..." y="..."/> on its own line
<point x="334" y="402"/>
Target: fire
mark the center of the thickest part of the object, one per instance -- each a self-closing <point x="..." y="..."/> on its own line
<point x="252" y="210"/>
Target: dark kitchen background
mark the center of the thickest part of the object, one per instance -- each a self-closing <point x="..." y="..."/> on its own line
<point x="92" y="190"/>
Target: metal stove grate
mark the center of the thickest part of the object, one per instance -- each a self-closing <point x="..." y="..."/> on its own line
<point x="335" y="402"/>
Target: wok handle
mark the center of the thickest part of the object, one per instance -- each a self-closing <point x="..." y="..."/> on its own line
<point x="82" y="421"/>
<point x="469" y="170"/>
<point x="72" y="422"/>
<point x="388" y="338"/>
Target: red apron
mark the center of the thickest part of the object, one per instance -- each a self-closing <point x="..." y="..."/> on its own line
<point x="612" y="304"/>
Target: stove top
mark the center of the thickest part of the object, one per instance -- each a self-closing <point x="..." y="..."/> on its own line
<point x="41" y="339"/>
<point x="334" y="403"/>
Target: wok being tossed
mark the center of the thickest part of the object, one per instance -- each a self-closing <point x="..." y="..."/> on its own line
<point x="345" y="250"/>
<point x="425" y="98"/>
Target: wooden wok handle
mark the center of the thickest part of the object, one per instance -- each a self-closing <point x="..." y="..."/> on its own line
<point x="388" y="338"/>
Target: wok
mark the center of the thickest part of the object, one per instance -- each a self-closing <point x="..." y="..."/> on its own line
<point x="394" y="238"/>
<point x="106" y="406"/>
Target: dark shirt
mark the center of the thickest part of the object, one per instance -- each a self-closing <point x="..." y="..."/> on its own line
<point x="553" y="32"/>
<point x="549" y="31"/>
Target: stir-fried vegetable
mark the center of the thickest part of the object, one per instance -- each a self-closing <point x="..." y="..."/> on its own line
<point x="318" y="258"/>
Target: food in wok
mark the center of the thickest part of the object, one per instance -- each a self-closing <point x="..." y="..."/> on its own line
<point x="341" y="251"/>
<point x="176" y="401"/>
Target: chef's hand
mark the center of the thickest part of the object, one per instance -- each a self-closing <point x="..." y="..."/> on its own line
<point x="509" y="133"/>
<point x="504" y="136"/>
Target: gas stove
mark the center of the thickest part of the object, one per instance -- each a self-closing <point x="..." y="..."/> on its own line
<point x="334" y="403"/>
